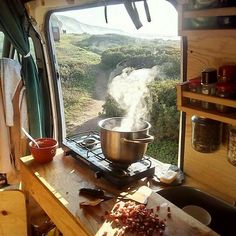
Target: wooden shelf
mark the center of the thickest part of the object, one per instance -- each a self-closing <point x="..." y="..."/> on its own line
<point x="224" y="11"/>
<point x="214" y="12"/>
<point x="183" y="104"/>
<point x="183" y="94"/>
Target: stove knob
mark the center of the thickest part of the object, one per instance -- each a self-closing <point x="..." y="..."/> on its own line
<point x="98" y="174"/>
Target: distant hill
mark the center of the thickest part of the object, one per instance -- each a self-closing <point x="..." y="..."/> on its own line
<point x="72" y="25"/>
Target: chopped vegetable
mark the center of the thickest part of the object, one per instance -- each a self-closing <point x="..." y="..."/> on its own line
<point x="136" y="218"/>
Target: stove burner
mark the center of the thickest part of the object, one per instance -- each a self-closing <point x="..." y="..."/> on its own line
<point x="86" y="147"/>
<point x="89" y="142"/>
<point x="120" y="166"/>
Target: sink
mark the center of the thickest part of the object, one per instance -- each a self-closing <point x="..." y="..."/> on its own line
<point x="223" y="214"/>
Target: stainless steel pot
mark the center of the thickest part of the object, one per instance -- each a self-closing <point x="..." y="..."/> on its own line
<point x="124" y="147"/>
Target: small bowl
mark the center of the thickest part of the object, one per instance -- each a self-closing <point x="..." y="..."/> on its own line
<point x="198" y="213"/>
<point x="45" y="152"/>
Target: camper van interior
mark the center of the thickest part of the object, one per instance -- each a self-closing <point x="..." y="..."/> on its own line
<point x="118" y="117"/>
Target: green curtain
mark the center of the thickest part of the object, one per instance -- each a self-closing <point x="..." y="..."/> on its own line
<point x="13" y="22"/>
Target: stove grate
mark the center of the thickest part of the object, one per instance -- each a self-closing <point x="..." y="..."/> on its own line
<point x="95" y="159"/>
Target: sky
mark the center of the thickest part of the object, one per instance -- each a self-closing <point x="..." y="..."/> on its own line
<point x="163" y="18"/>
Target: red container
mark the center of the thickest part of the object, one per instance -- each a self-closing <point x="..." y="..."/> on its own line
<point x="224" y="90"/>
<point x="227" y="73"/>
<point x="45" y="152"/>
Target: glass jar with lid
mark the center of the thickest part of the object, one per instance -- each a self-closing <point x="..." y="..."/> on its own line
<point x="224" y="90"/>
<point x="208" y="81"/>
<point x="232" y="145"/>
<point x="206" y="134"/>
<point x="194" y="86"/>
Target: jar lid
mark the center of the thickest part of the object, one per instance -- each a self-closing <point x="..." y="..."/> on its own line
<point x="209" y="76"/>
<point x="202" y="120"/>
<point x="225" y="86"/>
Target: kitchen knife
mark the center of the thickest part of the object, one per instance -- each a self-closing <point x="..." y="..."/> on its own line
<point x="95" y="193"/>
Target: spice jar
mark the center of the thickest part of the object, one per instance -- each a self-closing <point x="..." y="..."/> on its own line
<point x="226" y="22"/>
<point x="227" y="73"/>
<point x="208" y="81"/>
<point x="206" y="134"/>
<point x="194" y="86"/>
<point x="232" y="145"/>
<point x="224" y="90"/>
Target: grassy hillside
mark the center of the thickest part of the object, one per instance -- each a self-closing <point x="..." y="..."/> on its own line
<point x="100" y="43"/>
<point x="77" y="72"/>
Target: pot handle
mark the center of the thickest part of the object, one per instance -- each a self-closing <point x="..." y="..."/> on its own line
<point x="147" y="139"/>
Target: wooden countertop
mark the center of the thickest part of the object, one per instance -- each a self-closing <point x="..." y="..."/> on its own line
<point x="55" y="186"/>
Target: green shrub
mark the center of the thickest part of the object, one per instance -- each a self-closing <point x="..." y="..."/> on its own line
<point x="172" y="67"/>
<point x="163" y="110"/>
<point x="153" y="55"/>
<point x="111" y="108"/>
<point x="113" y="56"/>
<point x="165" y="151"/>
<point x="110" y="58"/>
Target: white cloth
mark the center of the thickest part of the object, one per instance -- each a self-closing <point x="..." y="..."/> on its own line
<point x="5" y="152"/>
<point x="23" y="111"/>
<point x="10" y="79"/>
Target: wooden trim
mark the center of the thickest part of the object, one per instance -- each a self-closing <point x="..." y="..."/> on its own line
<point x="212" y="99"/>
<point x="209" y="32"/>
<point x="184" y="105"/>
<point x="179" y="96"/>
<point x="226" y="118"/>
<point x="57" y="212"/>
<point x="180" y="18"/>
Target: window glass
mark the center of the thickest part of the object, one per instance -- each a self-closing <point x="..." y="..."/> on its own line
<point x="112" y="69"/>
<point x="1" y="42"/>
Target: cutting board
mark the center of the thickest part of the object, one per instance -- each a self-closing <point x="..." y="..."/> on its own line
<point x="178" y="224"/>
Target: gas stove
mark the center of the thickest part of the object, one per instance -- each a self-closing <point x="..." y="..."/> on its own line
<point x="86" y="147"/>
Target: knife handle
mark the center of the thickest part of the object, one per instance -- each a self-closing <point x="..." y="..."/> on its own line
<point x="98" y="193"/>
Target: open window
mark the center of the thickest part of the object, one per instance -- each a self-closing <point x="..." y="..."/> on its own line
<point x="108" y="68"/>
<point x="1" y="42"/>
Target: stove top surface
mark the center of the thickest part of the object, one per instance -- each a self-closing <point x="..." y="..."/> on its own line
<point x="86" y="147"/>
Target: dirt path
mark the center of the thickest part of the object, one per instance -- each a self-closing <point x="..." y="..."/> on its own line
<point x="89" y="118"/>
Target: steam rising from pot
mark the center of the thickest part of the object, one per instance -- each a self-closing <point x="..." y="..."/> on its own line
<point x="129" y="89"/>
